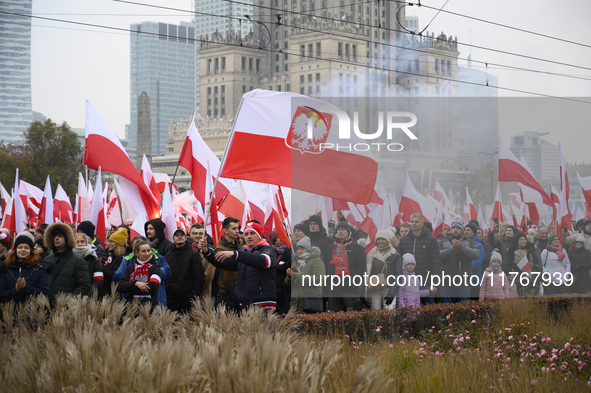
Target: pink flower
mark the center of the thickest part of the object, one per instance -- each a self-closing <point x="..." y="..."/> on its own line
<point x="474" y="311"/>
<point x="473" y="322"/>
<point x="391" y="345"/>
<point x="567" y="346"/>
<point x="378" y="329"/>
<point x="510" y="338"/>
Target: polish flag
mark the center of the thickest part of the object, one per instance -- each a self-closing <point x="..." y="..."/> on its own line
<point x="413" y="202"/>
<point x="564" y="214"/>
<point x="46" y="209"/>
<point x="212" y="225"/>
<point x="90" y="191"/>
<point x="510" y="169"/>
<point x="266" y="121"/>
<point x="97" y="210"/>
<point x="161" y="180"/>
<point x="498" y="212"/>
<point x="149" y="180"/>
<point x="466" y="215"/>
<point x="235" y="204"/>
<point x="113" y="210"/>
<point x="127" y="210"/>
<point x="482" y="221"/>
<point x="472" y="208"/>
<point x="517" y="209"/>
<point x="62" y="209"/>
<point x="15" y="220"/>
<point x="386" y="213"/>
<point x="394" y="212"/>
<point x="275" y="211"/>
<point x="256" y="208"/>
<point x="438" y="224"/>
<point x="82" y="201"/>
<point x="195" y="157"/>
<point x="370" y="225"/>
<point x="168" y="216"/>
<point x="34" y="194"/>
<point x="138" y="226"/>
<point x="524" y="265"/>
<point x="440" y="195"/>
<point x="585" y="183"/>
<point x="32" y="211"/>
<point x="355" y="216"/>
<point x="8" y="218"/>
<point x="104" y="149"/>
<point x="339" y="204"/>
<point x="534" y="202"/>
<point x="5" y="197"/>
<point x="322" y="211"/>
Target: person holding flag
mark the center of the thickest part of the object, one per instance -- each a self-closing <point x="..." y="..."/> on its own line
<point x="523" y="259"/>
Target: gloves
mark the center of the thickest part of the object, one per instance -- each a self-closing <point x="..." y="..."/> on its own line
<point x="389" y="300"/>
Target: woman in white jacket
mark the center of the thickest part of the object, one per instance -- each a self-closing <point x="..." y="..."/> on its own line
<point x="555" y="262"/>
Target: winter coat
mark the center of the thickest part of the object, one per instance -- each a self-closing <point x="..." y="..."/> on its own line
<point x="226" y="276"/>
<point x="392" y="270"/>
<point x="495" y="286"/>
<point x="256" y="283"/>
<point x="161" y="244"/>
<point x="321" y="240"/>
<point x="540" y="244"/>
<point x="502" y="243"/>
<point x="458" y="262"/>
<point x="36" y="278"/>
<point x="95" y="273"/>
<point x="573" y="238"/>
<point x="209" y="272"/>
<point x="487" y="253"/>
<point x="580" y="264"/>
<point x="556" y="268"/>
<point x="477" y="263"/>
<point x="510" y="266"/>
<point x="283" y="263"/>
<point x="110" y="266"/>
<point x="357" y="265"/>
<point x="410" y="293"/>
<point x="186" y="283"/>
<point x="132" y="291"/>
<point x="300" y="286"/>
<point x="101" y="253"/>
<point x="425" y="250"/>
<point x="165" y="273"/>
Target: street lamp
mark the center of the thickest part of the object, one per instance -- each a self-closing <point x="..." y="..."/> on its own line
<point x="492" y="170"/>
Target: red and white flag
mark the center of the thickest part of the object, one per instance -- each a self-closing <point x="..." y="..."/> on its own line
<point x="524" y="265"/>
<point x="471" y="207"/>
<point x="15" y="220"/>
<point x="161" y="180"/>
<point x="564" y="216"/>
<point x="394" y="212"/>
<point x="46" y="209"/>
<point x="168" y="216"/>
<point x="257" y="210"/>
<point x="355" y="216"/>
<point x="386" y="213"/>
<point x="370" y="225"/>
<point x="235" y="204"/>
<point x="440" y="195"/>
<point x="138" y="228"/>
<point x="276" y="212"/>
<point x="510" y="169"/>
<point x="195" y="156"/>
<point x="104" y="149"/>
<point x="113" y="210"/>
<point x="97" y="210"/>
<point x="532" y="199"/>
<point x="62" y="208"/>
<point x="482" y="221"/>
<point x="34" y="194"/>
<point x="127" y="211"/>
<point x="270" y="137"/>
<point x="585" y="183"/>
<point x="5" y="198"/>
<point x="149" y="180"/>
<point x="82" y="200"/>
<point x="438" y="224"/>
<point x="498" y="212"/>
<point x="213" y="225"/>
<point x="414" y="202"/>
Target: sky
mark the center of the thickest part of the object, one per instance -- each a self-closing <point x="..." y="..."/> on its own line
<point x="72" y="64"/>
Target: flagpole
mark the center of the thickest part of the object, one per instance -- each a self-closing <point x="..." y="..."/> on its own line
<point x="174" y="176"/>
<point x="500" y="206"/>
<point x="287" y="218"/>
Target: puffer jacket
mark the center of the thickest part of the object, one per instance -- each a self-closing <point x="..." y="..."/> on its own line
<point x="495" y="286"/>
<point x="410" y="293"/>
<point x="556" y="268"/>
<point x="458" y="262"/>
<point x="36" y="278"/>
<point x="153" y="279"/>
<point x="161" y="244"/>
<point x="425" y="249"/>
<point x="580" y="260"/>
<point x="256" y="284"/>
<point x="186" y="283"/>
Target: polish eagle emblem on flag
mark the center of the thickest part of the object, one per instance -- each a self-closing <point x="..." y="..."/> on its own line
<point x="297" y="137"/>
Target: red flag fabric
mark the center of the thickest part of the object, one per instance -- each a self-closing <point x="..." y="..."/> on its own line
<point x="104" y="149"/>
<point x="62" y="209"/>
<point x="149" y="180"/>
<point x="46" y="209"/>
<point x="564" y="214"/>
<point x="413" y="202"/>
<point x="267" y="133"/>
<point x="370" y="225"/>
<point x="510" y="169"/>
<point x="97" y="210"/>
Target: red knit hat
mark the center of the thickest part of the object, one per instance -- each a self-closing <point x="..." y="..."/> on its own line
<point x="256" y="228"/>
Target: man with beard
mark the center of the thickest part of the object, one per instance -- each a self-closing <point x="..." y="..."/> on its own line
<point x="457" y="254"/>
<point x="318" y="235"/>
<point x="346" y="259"/>
<point x="155" y="234"/>
<point x="187" y="279"/>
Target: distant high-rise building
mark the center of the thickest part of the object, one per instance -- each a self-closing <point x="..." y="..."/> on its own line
<point x="412" y="23"/>
<point x="15" y="69"/>
<point x="227" y="22"/>
<point x="541" y="156"/>
<point x="163" y="66"/>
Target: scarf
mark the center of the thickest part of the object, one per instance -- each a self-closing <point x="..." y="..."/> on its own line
<point x="381" y="254"/>
<point x="559" y="252"/>
<point x="83" y="251"/>
<point x="280" y="249"/>
<point x="496" y="269"/>
<point x="302" y="266"/>
<point x="340" y="259"/>
<point x="155" y="243"/>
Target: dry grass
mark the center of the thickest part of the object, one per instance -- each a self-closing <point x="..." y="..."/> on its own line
<point x="100" y="346"/>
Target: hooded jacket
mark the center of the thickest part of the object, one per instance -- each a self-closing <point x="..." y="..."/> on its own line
<point x="425" y="249"/>
<point x="409" y="294"/>
<point x="580" y="260"/>
<point x="70" y="274"/>
<point x="458" y="262"/>
<point x="256" y="283"/>
<point x="186" y="283"/>
<point x="36" y="278"/>
<point x="160" y="243"/>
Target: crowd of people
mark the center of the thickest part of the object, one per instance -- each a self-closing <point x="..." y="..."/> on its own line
<point x="326" y="269"/>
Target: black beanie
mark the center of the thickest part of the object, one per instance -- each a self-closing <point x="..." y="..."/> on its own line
<point x="41" y="244"/>
<point x="87" y="228"/>
<point x="24" y="237"/>
<point x="343" y="224"/>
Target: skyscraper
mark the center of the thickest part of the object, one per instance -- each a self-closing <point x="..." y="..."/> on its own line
<point x="15" y="70"/>
<point x="206" y="25"/>
<point x="162" y="65"/>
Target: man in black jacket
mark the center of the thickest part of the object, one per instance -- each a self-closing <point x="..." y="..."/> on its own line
<point x="318" y="235"/>
<point x="256" y="264"/>
<point x="345" y="259"/>
<point x="155" y="234"/>
<point x="188" y="277"/>
<point x="423" y="245"/>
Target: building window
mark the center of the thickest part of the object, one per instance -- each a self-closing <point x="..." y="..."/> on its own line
<point x="258" y="65"/>
<point x="278" y="87"/>
<point x="341" y="77"/>
<point x="250" y="63"/>
<point x="317" y="77"/>
<point x="243" y="89"/>
<point x="215" y="90"/>
<point x="318" y="90"/>
<point x="318" y="49"/>
<point x="285" y="67"/>
<point x="223" y="89"/>
<point x="243" y="63"/>
<point x="277" y="68"/>
<point x="223" y="112"/>
<point x="354" y="78"/>
<point x="301" y="79"/>
<point x="340" y="49"/>
<point x="437" y="66"/>
<point x="209" y="91"/>
<point x="285" y="56"/>
<point x="270" y="87"/>
<point x="449" y="67"/>
<point x="303" y="51"/>
<point x="301" y="90"/>
<point x="309" y="78"/>
<point x="223" y="64"/>
<point x="309" y="90"/>
<point x="288" y="87"/>
<point x="416" y="64"/>
<point x="354" y="52"/>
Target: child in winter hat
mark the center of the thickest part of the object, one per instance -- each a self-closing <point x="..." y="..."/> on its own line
<point x="495" y="283"/>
